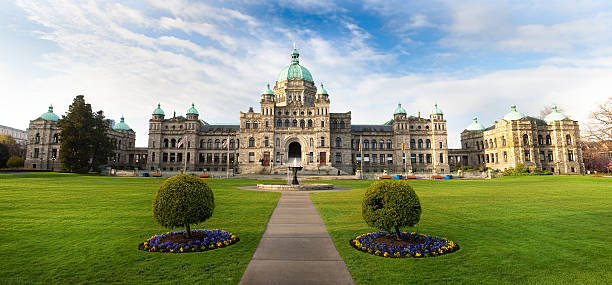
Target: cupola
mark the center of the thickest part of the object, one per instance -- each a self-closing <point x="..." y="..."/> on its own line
<point x="475" y="125"/>
<point x="555" y="115"/>
<point x="121" y="126"/>
<point x="49" y="115"/>
<point x="514" y="114"/>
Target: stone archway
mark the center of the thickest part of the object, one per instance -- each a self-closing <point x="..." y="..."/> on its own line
<point x="295" y="153"/>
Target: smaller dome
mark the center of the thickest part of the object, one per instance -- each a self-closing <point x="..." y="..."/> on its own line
<point x="49" y="115"/>
<point x="322" y="91"/>
<point x="555" y="115"/>
<point x="436" y="110"/>
<point x="192" y="110"/>
<point x="158" y="110"/>
<point x="121" y="126"/>
<point x="268" y="91"/>
<point x="475" y="125"/>
<point x="399" y="110"/>
<point x="514" y="114"/>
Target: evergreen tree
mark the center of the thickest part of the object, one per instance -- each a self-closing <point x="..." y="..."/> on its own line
<point x="84" y="144"/>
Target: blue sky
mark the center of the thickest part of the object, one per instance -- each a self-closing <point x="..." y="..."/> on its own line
<point x="473" y="58"/>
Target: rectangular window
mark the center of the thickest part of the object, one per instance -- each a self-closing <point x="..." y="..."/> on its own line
<point x="428" y="156"/>
<point x="338" y="157"/>
<point x="36" y="153"/>
<point x="209" y="158"/>
<point x="266" y="142"/>
<point x="248" y="125"/>
<point x="389" y="158"/>
<point x="440" y="144"/>
<point x="322" y="124"/>
<point x="527" y="156"/>
<point x="542" y="156"/>
<point x="441" y="158"/>
<point x="322" y="141"/>
<point x="413" y="158"/>
<point x="172" y="157"/>
<point x="251" y="157"/>
<point x="180" y="157"/>
<point x="366" y="158"/>
<point x="255" y="125"/>
<point x="310" y="157"/>
<point x="231" y="157"/>
<point x="382" y="159"/>
<point x="165" y="157"/>
<point x="54" y="153"/>
<point x="216" y="158"/>
<point x="570" y="155"/>
<point x="550" y="156"/>
<point x="421" y="160"/>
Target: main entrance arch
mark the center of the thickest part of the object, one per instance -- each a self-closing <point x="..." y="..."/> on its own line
<point x="295" y="152"/>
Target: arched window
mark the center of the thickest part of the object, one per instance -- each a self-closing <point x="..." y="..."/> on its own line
<point x="357" y="144"/>
<point x="389" y="144"/>
<point x="540" y="140"/>
<point x="55" y="138"/>
<point x="503" y="140"/>
<point x="173" y="143"/>
<point x="568" y="139"/>
<point x="287" y="123"/>
<point x="232" y="144"/>
<point x="412" y="143"/>
<point x="525" y="139"/>
<point x="334" y="124"/>
<point x="251" y="142"/>
<point x="255" y="125"/>
<point x="338" y="142"/>
<point x="427" y="143"/>
<point x="382" y="144"/>
<point x="548" y="140"/>
<point x="420" y="145"/>
<point x="366" y="144"/>
<point x="248" y="125"/>
<point x="37" y="138"/>
<point x="165" y="142"/>
<point x="209" y="144"/>
<point x="223" y="144"/>
<point x="294" y="123"/>
<point x="201" y="143"/>
<point x="217" y="144"/>
<point x="310" y="123"/>
<point x="279" y="123"/>
<point x="374" y="144"/>
<point x="302" y="124"/>
<point x="342" y="124"/>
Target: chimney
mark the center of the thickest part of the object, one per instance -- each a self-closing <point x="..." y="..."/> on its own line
<point x="419" y="115"/>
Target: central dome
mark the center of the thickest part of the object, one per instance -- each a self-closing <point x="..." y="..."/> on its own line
<point x="294" y="70"/>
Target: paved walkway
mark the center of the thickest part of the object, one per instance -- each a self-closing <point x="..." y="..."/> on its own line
<point x="296" y="248"/>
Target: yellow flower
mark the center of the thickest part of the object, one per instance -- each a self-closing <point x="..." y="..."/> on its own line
<point x="417" y="254"/>
<point x="181" y="249"/>
<point x="219" y="244"/>
<point x="386" y="254"/>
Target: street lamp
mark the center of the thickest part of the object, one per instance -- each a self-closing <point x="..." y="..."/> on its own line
<point x="52" y="163"/>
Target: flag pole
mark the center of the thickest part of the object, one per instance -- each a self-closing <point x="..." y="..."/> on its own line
<point x="185" y="158"/>
<point x="361" y="153"/>
<point x="227" y="158"/>
<point x="405" y="157"/>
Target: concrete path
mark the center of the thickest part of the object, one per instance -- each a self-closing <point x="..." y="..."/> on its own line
<point x="296" y="248"/>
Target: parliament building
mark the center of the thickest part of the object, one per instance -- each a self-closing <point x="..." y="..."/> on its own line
<point x="294" y="125"/>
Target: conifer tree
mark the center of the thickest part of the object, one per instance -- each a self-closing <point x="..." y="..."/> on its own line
<point x="84" y="141"/>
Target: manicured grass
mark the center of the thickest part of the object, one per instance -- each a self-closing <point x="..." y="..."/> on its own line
<point x="535" y="230"/>
<point x="66" y="229"/>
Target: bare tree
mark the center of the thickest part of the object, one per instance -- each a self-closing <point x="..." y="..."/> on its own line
<point x="600" y="130"/>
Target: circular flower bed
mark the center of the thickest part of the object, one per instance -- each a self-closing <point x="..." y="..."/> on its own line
<point x="410" y="245"/>
<point x="177" y="242"/>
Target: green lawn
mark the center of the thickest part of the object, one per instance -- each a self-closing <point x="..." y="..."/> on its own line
<point x="536" y="230"/>
<point x="66" y="229"/>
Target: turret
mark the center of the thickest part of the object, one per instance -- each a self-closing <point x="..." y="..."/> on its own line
<point x="436" y="114"/>
<point x="192" y="113"/>
<point x="158" y="113"/>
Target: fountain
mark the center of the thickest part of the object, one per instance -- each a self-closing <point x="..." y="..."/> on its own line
<point x="294" y="168"/>
<point x="292" y="183"/>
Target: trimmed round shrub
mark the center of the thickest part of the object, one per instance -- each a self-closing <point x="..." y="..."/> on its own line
<point x="15" y="161"/>
<point x="390" y="204"/>
<point x="183" y="200"/>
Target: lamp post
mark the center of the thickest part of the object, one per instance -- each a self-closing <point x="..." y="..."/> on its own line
<point x="52" y="163"/>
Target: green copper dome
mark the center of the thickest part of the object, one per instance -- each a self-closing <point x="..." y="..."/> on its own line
<point x="555" y="115"/>
<point x="475" y="126"/>
<point x="399" y="110"/>
<point x="294" y="70"/>
<point x="158" y="110"/>
<point x="268" y="91"/>
<point x="121" y="126"/>
<point x="50" y="116"/>
<point x="192" y="110"/>
<point x="436" y="110"/>
<point x="322" y="91"/>
<point x="514" y="114"/>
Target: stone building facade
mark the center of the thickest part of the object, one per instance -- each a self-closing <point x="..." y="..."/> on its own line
<point x="294" y="125"/>
<point x="552" y="144"/>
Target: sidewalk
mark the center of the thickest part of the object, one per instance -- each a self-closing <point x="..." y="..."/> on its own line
<point x="296" y="248"/>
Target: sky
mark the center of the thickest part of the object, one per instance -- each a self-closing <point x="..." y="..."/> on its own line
<point x="472" y="58"/>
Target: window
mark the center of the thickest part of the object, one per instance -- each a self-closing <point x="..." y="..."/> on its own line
<point x="334" y="124"/>
<point x="37" y="138"/>
<point x="542" y="156"/>
<point x="267" y="124"/>
<point x="209" y="144"/>
<point x="251" y="157"/>
<point x="302" y="124"/>
<point x="570" y="155"/>
<point x="338" y="157"/>
<point x="421" y="156"/>
<point x="548" y="140"/>
<point x="232" y="144"/>
<point x="201" y="143"/>
<point x="420" y="144"/>
<point x="251" y="142"/>
<point x="427" y="143"/>
<point x="527" y="156"/>
<point x="248" y="125"/>
<point x="540" y="140"/>
<point x="525" y="140"/>
<point x="153" y="157"/>
<point x="279" y="123"/>
<point x="188" y="156"/>
<point x="338" y="142"/>
<point x="428" y="157"/>
<point x="366" y="144"/>
<point x="255" y="125"/>
<point x="357" y="144"/>
<point x="322" y="141"/>
<point x="165" y="142"/>
<point x="294" y="123"/>
<point x="165" y="157"/>
<point x="568" y="139"/>
<point x="389" y="145"/>
<point x="55" y="138"/>
<point x="413" y="158"/>
<point x="173" y="143"/>
<point x="342" y="124"/>
<point x="266" y="142"/>
<point x="172" y="157"/>
<point x="311" y="142"/>
<point x="505" y="156"/>
<point x="310" y="123"/>
<point x="277" y="142"/>
<point x="503" y="140"/>
<point x="286" y="123"/>
<point x="209" y="158"/>
<point x="322" y="124"/>
<point x="216" y="158"/>
<point x="36" y="153"/>
<point x="412" y="143"/>
<point x="373" y="144"/>
<point x="441" y="158"/>
<point x="217" y="144"/>
<point x="389" y="158"/>
<point x="550" y="156"/>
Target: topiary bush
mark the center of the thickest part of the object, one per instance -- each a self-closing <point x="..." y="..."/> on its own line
<point x="183" y="200"/>
<point x="391" y="204"/>
<point x="14" y="162"/>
